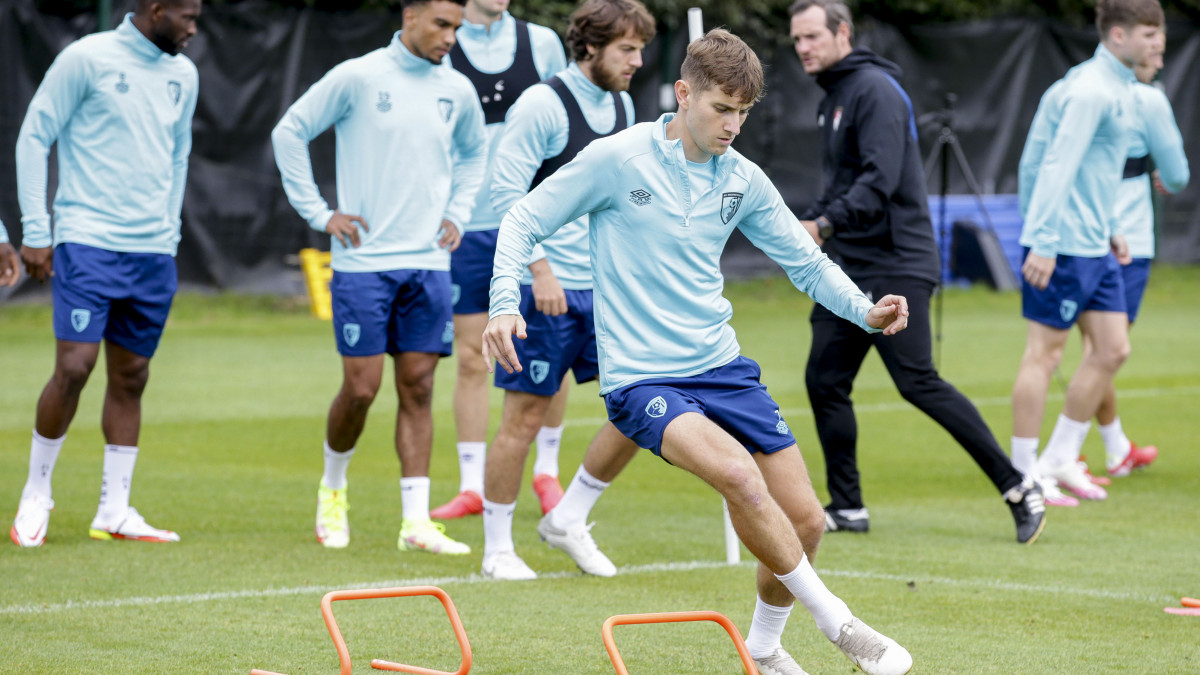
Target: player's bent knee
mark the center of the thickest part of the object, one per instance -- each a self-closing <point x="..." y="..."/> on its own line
<point x="72" y="371"/>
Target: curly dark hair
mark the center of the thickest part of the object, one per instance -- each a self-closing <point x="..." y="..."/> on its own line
<point x="601" y="22"/>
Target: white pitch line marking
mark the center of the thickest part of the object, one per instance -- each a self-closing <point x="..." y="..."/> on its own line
<point x="216" y="596"/>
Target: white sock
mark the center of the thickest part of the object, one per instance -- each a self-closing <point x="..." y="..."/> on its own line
<point x="548" y="441"/>
<point x="497" y="527"/>
<point x="336" y="464"/>
<point x="578" y="500"/>
<point x="471" y="456"/>
<point x="826" y="608"/>
<point x="114" y="487"/>
<point x="414" y="498"/>
<point x="766" y="629"/>
<point x="1065" y="442"/>
<point x="43" y="453"/>
<point x="1116" y="444"/>
<point x="1024" y="454"/>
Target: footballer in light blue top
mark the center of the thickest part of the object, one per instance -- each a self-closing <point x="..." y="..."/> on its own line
<point x="537" y="130"/>
<point x="655" y="247"/>
<point x="1156" y="134"/>
<point x="120" y="109"/>
<point x="492" y="49"/>
<point x="388" y="106"/>
<point x="1071" y="166"/>
<point x="3" y="233"/>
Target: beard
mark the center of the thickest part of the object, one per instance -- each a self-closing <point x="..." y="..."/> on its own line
<point x="607" y="79"/>
<point x="166" y="43"/>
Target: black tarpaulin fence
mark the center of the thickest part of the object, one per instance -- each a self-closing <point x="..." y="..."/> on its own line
<point x="240" y="233"/>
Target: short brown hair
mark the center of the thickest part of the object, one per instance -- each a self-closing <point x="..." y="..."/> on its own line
<point x="722" y="59"/>
<point x="601" y="22"/>
<point x="836" y="13"/>
<point x="1127" y="14"/>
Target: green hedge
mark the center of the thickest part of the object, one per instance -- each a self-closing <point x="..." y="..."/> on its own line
<point x="747" y="17"/>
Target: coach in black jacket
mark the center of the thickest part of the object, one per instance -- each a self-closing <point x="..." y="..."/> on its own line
<point x="874" y="218"/>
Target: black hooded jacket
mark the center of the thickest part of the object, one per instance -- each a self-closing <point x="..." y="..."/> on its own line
<point x="874" y="193"/>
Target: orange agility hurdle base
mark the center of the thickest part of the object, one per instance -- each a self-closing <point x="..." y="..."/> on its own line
<point x="400" y="592"/>
<point x="672" y="617"/>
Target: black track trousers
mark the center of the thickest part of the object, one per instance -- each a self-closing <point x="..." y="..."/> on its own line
<point x="838" y="350"/>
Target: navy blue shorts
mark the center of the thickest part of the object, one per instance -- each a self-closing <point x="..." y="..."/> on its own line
<point x="1078" y="285"/>
<point x="392" y="312"/>
<point x="555" y="345"/>
<point x="471" y="271"/>
<point x="731" y="396"/>
<point x="121" y="297"/>
<point x="1135" y="275"/>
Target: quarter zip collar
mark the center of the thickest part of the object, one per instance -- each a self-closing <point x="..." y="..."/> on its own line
<point x="406" y="59"/>
<point x="583" y="87"/>
<point x="482" y="33"/>
<point x="670" y="153"/>
<point x="139" y="43"/>
<point x="1106" y="57"/>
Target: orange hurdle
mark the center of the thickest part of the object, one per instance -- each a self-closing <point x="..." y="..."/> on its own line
<point x="401" y="592"/>
<point x="671" y="617"/>
<point x="379" y="664"/>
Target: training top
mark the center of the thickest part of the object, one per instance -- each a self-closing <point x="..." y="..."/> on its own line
<point x="1074" y="157"/>
<point x="874" y="190"/>
<point x="1155" y="137"/>
<point x="507" y="59"/>
<point x="538" y="129"/>
<point x="411" y="151"/>
<point x="121" y="111"/>
<point x="656" y="251"/>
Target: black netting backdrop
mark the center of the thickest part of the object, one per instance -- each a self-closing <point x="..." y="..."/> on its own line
<point x="239" y="230"/>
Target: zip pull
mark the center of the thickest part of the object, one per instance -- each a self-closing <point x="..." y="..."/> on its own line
<point x="687" y="220"/>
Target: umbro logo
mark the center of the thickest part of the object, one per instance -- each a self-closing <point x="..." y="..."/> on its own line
<point x="640" y="197"/>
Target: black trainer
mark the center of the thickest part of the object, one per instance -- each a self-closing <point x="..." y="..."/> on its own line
<point x="846" y="520"/>
<point x="1028" y="509"/>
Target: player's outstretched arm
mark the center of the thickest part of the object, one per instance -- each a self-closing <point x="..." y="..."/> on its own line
<point x="889" y="314"/>
<point x="498" y="344"/>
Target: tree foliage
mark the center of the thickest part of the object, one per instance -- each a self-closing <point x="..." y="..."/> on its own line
<point x="746" y="17"/>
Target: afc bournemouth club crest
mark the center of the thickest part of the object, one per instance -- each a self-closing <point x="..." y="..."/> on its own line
<point x="730" y="201"/>
<point x="538" y="370"/>
<point x="122" y="85"/>
<point x="657" y="407"/>
<point x="384" y="103"/>
<point x="640" y="197"/>
<point x="350" y="333"/>
<point x="837" y="117"/>
<point x="174" y="91"/>
<point x="1067" y="309"/>
<point x="80" y="318"/>
<point x="445" y="108"/>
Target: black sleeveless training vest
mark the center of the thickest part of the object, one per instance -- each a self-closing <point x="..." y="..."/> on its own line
<point x="498" y="91"/>
<point x="579" y="132"/>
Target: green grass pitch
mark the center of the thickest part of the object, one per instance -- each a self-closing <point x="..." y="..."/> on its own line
<point x="234" y="418"/>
